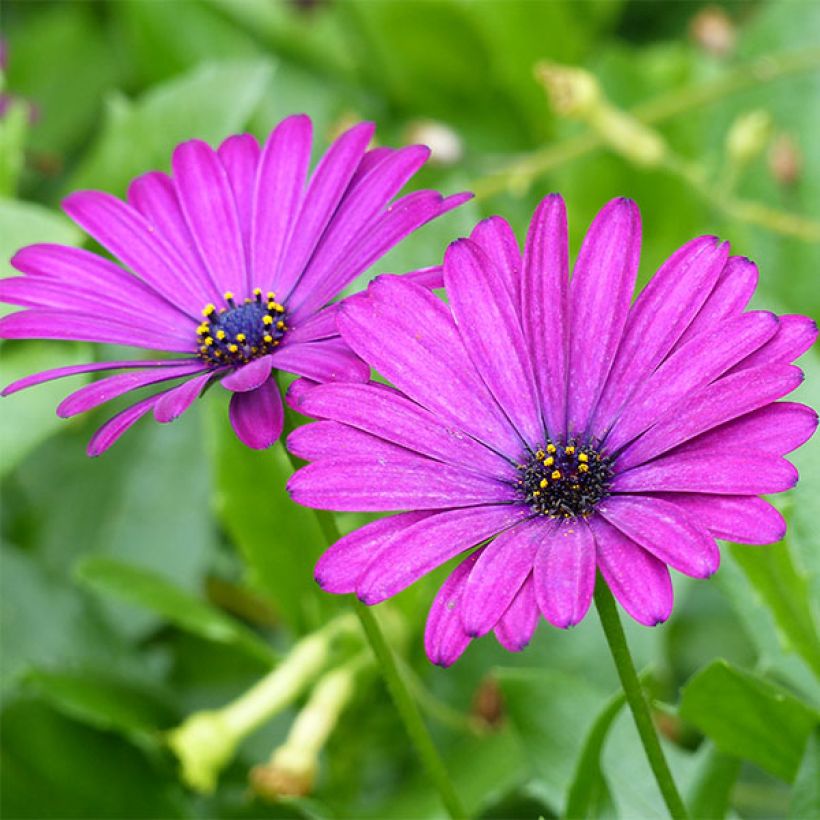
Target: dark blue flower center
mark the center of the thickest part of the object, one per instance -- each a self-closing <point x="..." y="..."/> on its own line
<point x="238" y="333"/>
<point x="564" y="479"/>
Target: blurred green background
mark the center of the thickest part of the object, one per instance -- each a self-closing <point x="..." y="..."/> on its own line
<point x="170" y="574"/>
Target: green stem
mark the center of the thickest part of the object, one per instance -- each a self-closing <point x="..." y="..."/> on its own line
<point x="616" y="639"/>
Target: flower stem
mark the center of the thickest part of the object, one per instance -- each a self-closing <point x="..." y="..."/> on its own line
<point x="616" y="639"/>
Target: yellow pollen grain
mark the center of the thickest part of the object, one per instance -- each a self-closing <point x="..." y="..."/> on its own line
<point x="278" y="308"/>
<point x="583" y="458"/>
<point x="543" y="484"/>
<point x="257" y="291"/>
<point x="583" y="468"/>
<point x="548" y="462"/>
<point x="271" y="295"/>
<point x="280" y="325"/>
<point x="569" y="450"/>
<point x="551" y="448"/>
<point x="208" y="310"/>
<point x="233" y="348"/>
<point x="556" y="474"/>
<point x="209" y="341"/>
<point x="267" y="338"/>
<point x="241" y="337"/>
<point x="228" y="295"/>
<point x="267" y="320"/>
<point x="539" y="455"/>
<point x="220" y="334"/>
<point x="537" y="492"/>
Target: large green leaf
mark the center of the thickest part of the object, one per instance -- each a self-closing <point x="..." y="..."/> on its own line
<point x="153" y="592"/>
<point x="749" y="717"/>
<point x="806" y="795"/>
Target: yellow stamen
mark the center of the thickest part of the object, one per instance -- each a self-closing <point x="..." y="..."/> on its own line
<point x="548" y="462"/>
<point x="543" y="484"/>
<point x="569" y="450"/>
<point x="583" y="458"/>
<point x="583" y="468"/>
<point x="208" y="310"/>
<point x="241" y="337"/>
<point x="220" y="334"/>
<point x="280" y="325"/>
<point x="267" y="338"/>
<point x="228" y="295"/>
<point x="556" y="474"/>
<point x="551" y="448"/>
<point x="233" y="348"/>
<point x="267" y="320"/>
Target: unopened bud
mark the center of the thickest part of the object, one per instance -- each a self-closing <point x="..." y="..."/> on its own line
<point x="446" y="147"/>
<point x="748" y="136"/>
<point x="785" y="160"/>
<point x="573" y="92"/>
<point x="713" y="31"/>
<point x="488" y="703"/>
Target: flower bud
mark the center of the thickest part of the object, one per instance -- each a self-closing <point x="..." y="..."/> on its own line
<point x="748" y="136"/>
<point x="785" y="160"/>
<point x="713" y="31"/>
<point x="446" y="147"/>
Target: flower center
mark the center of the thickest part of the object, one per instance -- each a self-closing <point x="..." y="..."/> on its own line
<point x="240" y="332"/>
<point x="565" y="480"/>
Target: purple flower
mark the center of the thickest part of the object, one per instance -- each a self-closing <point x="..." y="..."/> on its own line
<point x="555" y="426"/>
<point x="231" y="263"/>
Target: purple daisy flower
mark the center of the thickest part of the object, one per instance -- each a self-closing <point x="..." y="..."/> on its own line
<point x="555" y="426"/>
<point x="230" y="262"/>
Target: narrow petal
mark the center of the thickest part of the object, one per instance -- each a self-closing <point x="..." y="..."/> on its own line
<point x="719" y="402"/>
<point x="496" y="238"/>
<point x="239" y="156"/>
<point x="207" y="200"/>
<point x="393" y="417"/>
<point x="497" y="577"/>
<point x="661" y="313"/>
<point x="432" y="277"/>
<point x="427" y="545"/>
<point x="745" y="519"/>
<point x="277" y="197"/>
<point x="694" y="365"/>
<point x="174" y="402"/>
<point x="564" y="573"/>
<point x="321" y="325"/>
<point x="112" y="387"/>
<point x="327" y="439"/>
<point x="639" y="581"/>
<point x="720" y="473"/>
<point x="666" y="531"/>
<point x="249" y="376"/>
<point x="340" y="567"/>
<point x="110" y="432"/>
<point x="600" y="292"/>
<point x="297" y="391"/>
<point x="795" y="335"/>
<point x="327" y="186"/>
<point x="444" y="637"/>
<point x="488" y="323"/>
<point x="543" y="308"/>
<point x="380" y="485"/>
<point x="729" y="297"/>
<point x="325" y="360"/>
<point x="257" y="417"/>
<point x="517" y="625"/>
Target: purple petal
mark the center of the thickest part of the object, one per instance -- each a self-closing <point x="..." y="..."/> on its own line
<point x="444" y="637"/>
<point x="249" y="376"/>
<point x="174" y="402"/>
<point x="408" y="336"/>
<point x="428" y="544"/>
<point x="543" y="308"/>
<point x="564" y="572"/>
<point x="794" y="336"/>
<point x="155" y="197"/>
<point x="386" y="484"/>
<point x="393" y="417"/>
<point x="325" y="360"/>
<point x="239" y="156"/>
<point x="599" y="294"/>
<point x="719" y="402"/>
<point x="777" y="428"/>
<point x="207" y="200"/>
<point x="327" y="186"/>
<point x="664" y="309"/>
<point x="692" y="366"/>
<point x="297" y="391"/>
<point x="745" y="519"/>
<point x="639" y="581"/>
<point x="664" y="530"/>
<point x="134" y="240"/>
<point x="341" y="566"/>
<point x="432" y="277"/>
<point x="117" y="425"/>
<point x="721" y="473"/>
<point x="491" y="331"/>
<point x="355" y="214"/>
<point x="107" y="389"/>
<point x="496" y="238"/>
<point x="517" y="625"/>
<point x="278" y="194"/>
<point x="497" y="576"/>
<point x="326" y="439"/>
<point x="321" y="325"/>
<point x="73" y="370"/>
<point x="729" y="297"/>
<point x="257" y="417"/>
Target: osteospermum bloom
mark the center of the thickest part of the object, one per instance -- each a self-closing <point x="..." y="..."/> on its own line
<point x="554" y="426"/>
<point x="230" y="263"/>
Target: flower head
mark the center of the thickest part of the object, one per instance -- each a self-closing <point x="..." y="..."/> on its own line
<point x="554" y="425"/>
<point x="229" y="263"/>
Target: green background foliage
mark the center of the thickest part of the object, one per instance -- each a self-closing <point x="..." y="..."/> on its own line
<point x="172" y="573"/>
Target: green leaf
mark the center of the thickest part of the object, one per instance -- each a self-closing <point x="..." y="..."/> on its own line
<point x="749" y="717"/>
<point x="805" y="801"/>
<point x="13" y="130"/>
<point x="150" y="590"/>
<point x="29" y="417"/>
<point x="209" y="103"/>
<point x="589" y="794"/>
<point x="711" y="792"/>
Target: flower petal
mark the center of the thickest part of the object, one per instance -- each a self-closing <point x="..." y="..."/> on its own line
<point x="444" y="637"/>
<point x="496" y="238"/>
<point x="325" y="360"/>
<point x="795" y="335"/>
<point x="517" y="625"/>
<point x="564" y="572"/>
<point x="239" y="155"/>
<point x="110" y="432"/>
<point x="326" y="439"/>
<point x="639" y="581"/>
<point x="257" y="417"/>
<point x="174" y="402"/>
<point x="664" y="530"/>
<point x="599" y="294"/>
<point x="249" y="376"/>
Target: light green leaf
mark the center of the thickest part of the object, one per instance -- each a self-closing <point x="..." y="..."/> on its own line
<point x="710" y="793"/>
<point x="805" y="802"/>
<point x="749" y="717"/>
<point x="150" y="590"/>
